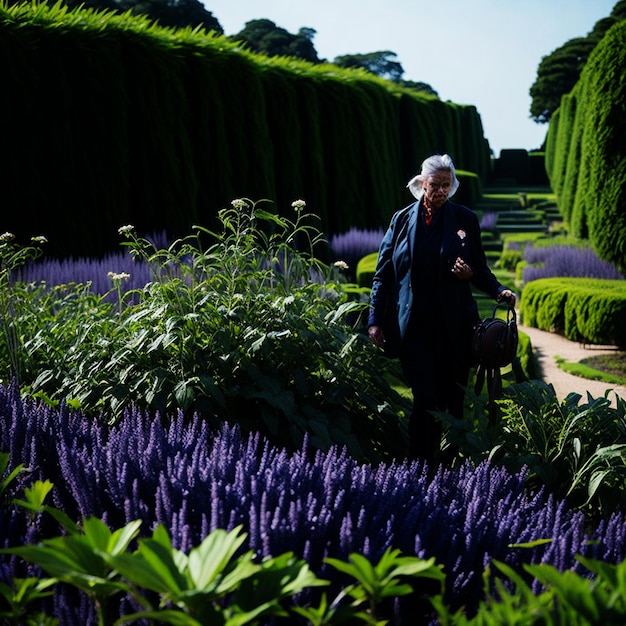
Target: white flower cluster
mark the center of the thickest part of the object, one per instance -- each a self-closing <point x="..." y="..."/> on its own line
<point x="118" y="276"/>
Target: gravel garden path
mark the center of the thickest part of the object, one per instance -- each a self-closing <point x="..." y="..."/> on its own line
<point x="547" y="346"/>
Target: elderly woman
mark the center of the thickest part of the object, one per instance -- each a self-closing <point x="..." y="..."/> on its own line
<point x="428" y="259"/>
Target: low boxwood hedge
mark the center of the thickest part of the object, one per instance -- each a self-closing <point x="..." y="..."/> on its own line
<point x="587" y="310"/>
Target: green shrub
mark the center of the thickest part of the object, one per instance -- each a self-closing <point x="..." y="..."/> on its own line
<point x="519" y="272"/>
<point x="586" y="310"/>
<point x="366" y="269"/>
<point x="526" y="366"/>
<point x="237" y="325"/>
<point x="585" y="152"/>
<point x="575" y="449"/>
<point x="543" y="308"/>
<point x="509" y="259"/>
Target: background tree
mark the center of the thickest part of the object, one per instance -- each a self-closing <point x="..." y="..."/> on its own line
<point x="264" y="37"/>
<point x="419" y="86"/>
<point x="559" y="71"/>
<point x="173" y="13"/>
<point x="385" y="65"/>
<point x="382" y="63"/>
<point x="556" y="75"/>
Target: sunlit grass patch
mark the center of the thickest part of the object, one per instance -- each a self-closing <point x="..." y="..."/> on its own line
<point x="607" y="368"/>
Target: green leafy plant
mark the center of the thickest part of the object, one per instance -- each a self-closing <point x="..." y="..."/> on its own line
<point x="19" y="599"/>
<point x="13" y="301"/>
<point x="215" y="583"/>
<point x="198" y="583"/>
<point x="241" y="324"/>
<point x="386" y="579"/>
<point x="567" y="598"/>
<point x="77" y="558"/>
<point x="7" y="480"/>
<point x="576" y="449"/>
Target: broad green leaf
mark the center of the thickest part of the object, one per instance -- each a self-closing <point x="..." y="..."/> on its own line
<point x="596" y="480"/>
<point x="213" y="555"/>
<point x="36" y="495"/>
<point x="96" y="533"/>
<point x="66" y="568"/>
<point x="154" y="575"/>
<point x="121" y="538"/>
<point x="7" y="480"/>
<point x="163" y="564"/>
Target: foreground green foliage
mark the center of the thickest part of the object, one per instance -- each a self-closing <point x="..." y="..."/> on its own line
<point x="217" y="583"/>
<point x="563" y="598"/>
<point x="241" y="324"/>
<point x="575" y="448"/>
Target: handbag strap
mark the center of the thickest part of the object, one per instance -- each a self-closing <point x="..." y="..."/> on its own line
<point x="511" y="315"/>
<point x="494" y="387"/>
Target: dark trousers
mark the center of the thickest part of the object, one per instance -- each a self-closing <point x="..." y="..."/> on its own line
<point x="437" y="374"/>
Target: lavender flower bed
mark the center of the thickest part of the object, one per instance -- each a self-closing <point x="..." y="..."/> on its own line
<point x="354" y="244"/>
<point x="488" y="221"/>
<point x="349" y="247"/>
<point x="194" y="479"/>
<point x="560" y="261"/>
<point x="96" y="272"/>
<point x="55" y="272"/>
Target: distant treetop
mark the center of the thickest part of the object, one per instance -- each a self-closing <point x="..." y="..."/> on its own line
<point x="559" y="71"/>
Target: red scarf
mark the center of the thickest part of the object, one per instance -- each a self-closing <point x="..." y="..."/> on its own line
<point x="428" y="211"/>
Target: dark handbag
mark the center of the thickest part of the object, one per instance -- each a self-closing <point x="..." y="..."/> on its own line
<point x="494" y="345"/>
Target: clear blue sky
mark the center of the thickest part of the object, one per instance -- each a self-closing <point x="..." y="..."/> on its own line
<point x="480" y="52"/>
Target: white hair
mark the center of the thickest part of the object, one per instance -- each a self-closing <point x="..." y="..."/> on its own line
<point x="430" y="166"/>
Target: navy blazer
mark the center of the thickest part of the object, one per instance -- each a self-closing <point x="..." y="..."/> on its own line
<point x="392" y="279"/>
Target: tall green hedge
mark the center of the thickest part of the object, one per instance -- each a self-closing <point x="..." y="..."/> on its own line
<point x="587" y="161"/>
<point x="109" y="120"/>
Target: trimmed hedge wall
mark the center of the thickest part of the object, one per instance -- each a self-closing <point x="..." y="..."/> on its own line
<point x="586" y="152"/>
<point x="587" y="310"/>
<point x="112" y="120"/>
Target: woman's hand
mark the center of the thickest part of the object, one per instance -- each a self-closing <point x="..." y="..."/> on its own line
<point x="377" y="336"/>
<point x="461" y="270"/>
<point x="508" y="296"/>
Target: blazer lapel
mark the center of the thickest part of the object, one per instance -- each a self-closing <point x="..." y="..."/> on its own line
<point x="411" y="226"/>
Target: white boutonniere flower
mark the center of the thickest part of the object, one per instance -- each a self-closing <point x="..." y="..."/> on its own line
<point x="461" y="234"/>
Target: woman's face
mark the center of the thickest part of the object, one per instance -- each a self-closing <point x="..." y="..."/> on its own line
<point x="437" y="188"/>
